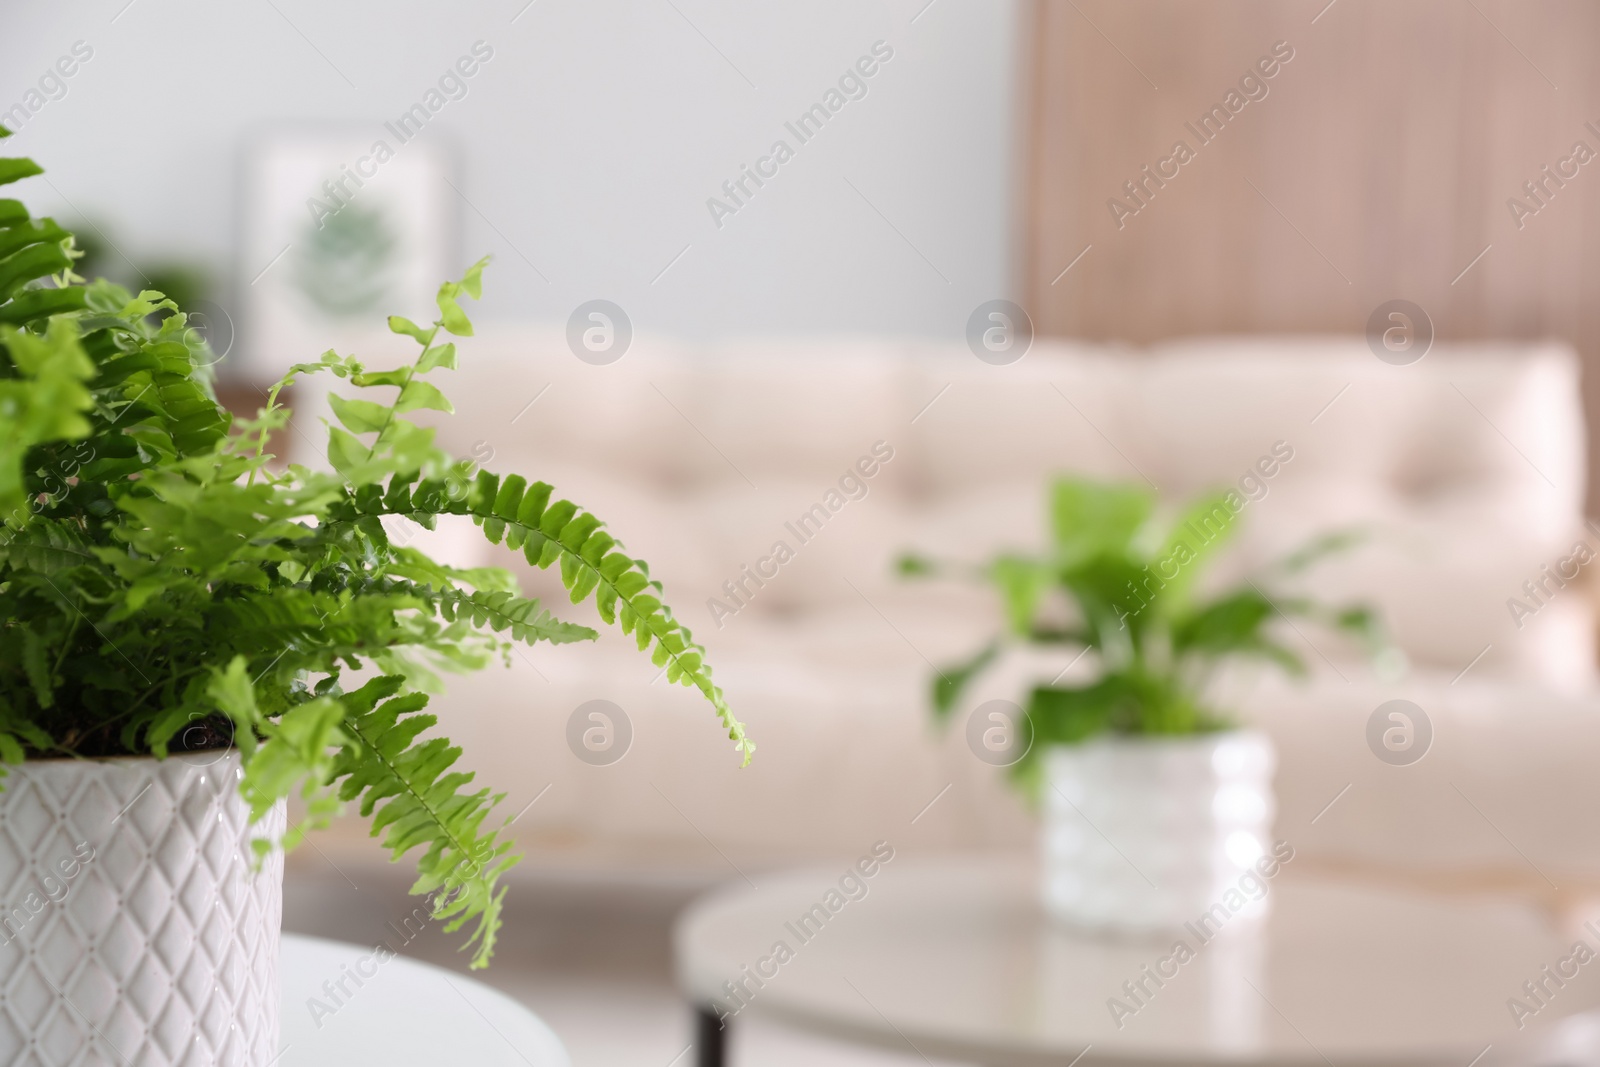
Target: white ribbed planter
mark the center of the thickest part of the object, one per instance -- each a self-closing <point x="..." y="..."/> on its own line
<point x="1142" y="835"/>
<point x="133" y="927"/>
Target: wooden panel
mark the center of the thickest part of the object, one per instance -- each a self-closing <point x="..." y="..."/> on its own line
<point x="1378" y="165"/>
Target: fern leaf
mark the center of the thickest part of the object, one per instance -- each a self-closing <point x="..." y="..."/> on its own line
<point x="43" y="402"/>
<point x="503" y="610"/>
<point x="36" y="668"/>
<point x="296" y="748"/>
<point x="592" y="563"/>
<point x="10" y="751"/>
<point x="45" y="547"/>
<point x="415" y="800"/>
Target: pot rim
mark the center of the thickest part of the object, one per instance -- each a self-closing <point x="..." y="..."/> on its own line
<point x="73" y="760"/>
<point x="1193" y="740"/>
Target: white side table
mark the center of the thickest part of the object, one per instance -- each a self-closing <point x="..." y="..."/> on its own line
<point x="955" y="959"/>
<point x="407" y="1013"/>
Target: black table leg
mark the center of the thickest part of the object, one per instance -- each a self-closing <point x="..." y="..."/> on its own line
<point x="710" y="1038"/>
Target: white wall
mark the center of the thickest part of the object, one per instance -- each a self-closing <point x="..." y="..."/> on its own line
<point x="591" y="143"/>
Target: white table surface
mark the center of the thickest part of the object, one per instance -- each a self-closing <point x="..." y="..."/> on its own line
<point x="954" y="959"/>
<point x="407" y="1014"/>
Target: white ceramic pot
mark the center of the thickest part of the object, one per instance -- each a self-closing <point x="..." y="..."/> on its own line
<point x="1142" y="835"/>
<point x="134" y="926"/>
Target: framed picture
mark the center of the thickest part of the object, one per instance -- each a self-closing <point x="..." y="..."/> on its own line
<point x="340" y="226"/>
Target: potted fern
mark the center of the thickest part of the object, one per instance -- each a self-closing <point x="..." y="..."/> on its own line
<point x="1155" y="802"/>
<point x="193" y="634"/>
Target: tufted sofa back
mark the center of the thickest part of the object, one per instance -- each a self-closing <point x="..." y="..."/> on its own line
<point x="1466" y="469"/>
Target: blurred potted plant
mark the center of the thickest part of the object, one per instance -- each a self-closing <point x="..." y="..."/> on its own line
<point x="1155" y="802"/>
<point x="180" y="619"/>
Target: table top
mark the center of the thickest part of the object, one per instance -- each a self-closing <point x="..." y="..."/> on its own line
<point x="407" y="1013"/>
<point x="955" y="959"/>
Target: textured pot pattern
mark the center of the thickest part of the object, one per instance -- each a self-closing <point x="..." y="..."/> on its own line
<point x="135" y="928"/>
<point x="1143" y="835"/>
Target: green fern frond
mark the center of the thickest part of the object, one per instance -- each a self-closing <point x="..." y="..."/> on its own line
<point x="43" y="400"/>
<point x="37" y="668"/>
<point x="416" y="566"/>
<point x="524" y="517"/>
<point x="45" y="547"/>
<point x="295" y="749"/>
<point x="414" y="800"/>
<point x="500" y="611"/>
<point x="15" y="732"/>
<point x="30" y="252"/>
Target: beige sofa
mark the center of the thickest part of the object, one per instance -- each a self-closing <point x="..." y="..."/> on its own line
<point x="1467" y="470"/>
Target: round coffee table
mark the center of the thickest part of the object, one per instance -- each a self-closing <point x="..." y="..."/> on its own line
<point x="407" y="1013"/>
<point x="954" y="959"/>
